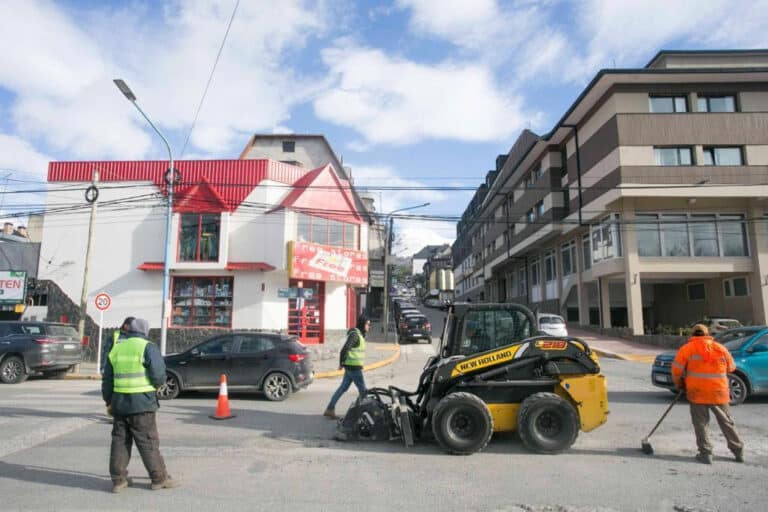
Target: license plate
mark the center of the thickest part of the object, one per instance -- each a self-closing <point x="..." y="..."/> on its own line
<point x="662" y="378"/>
<point x="69" y="346"/>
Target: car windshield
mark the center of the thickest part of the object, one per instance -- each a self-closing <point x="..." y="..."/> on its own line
<point x="729" y="324"/>
<point x="551" y="320"/>
<point x="734" y="339"/>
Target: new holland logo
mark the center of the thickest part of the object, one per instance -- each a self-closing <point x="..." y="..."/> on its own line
<point x="480" y="362"/>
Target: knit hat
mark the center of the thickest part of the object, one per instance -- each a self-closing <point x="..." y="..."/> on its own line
<point x="700" y="330"/>
<point x="140" y="326"/>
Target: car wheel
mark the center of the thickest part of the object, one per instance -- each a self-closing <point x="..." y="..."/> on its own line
<point x="170" y="389"/>
<point x="738" y="389"/>
<point x="462" y="423"/>
<point x="276" y="387"/>
<point x="547" y="423"/>
<point x="12" y="370"/>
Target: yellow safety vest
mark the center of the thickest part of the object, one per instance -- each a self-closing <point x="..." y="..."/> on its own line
<point x="356" y="355"/>
<point x="127" y="359"/>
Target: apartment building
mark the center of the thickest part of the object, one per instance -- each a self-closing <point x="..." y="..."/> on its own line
<point x="645" y="205"/>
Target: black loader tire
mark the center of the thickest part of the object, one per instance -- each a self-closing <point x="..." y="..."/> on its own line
<point x="547" y="423"/>
<point x="462" y="424"/>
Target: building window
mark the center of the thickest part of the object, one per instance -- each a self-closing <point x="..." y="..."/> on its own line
<point x="202" y="301"/>
<point x="667" y="104"/>
<point x="696" y="292"/>
<point x="529" y="180"/>
<point x="736" y="287"/>
<point x="535" y="273"/>
<point x="700" y="235"/>
<point x="716" y="103"/>
<point x="540" y="209"/>
<point x="319" y="230"/>
<point x="586" y="251"/>
<point x="199" y="237"/>
<point x="531" y="216"/>
<point x="522" y="282"/>
<point x="673" y="156"/>
<point x="606" y="239"/>
<point x="538" y="173"/>
<point x="550" y="271"/>
<point x="289" y="146"/>
<point x="568" y="257"/>
<point x="722" y="156"/>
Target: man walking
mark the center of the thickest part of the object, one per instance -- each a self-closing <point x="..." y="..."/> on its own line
<point x="701" y="367"/>
<point x="133" y="372"/>
<point x="352" y="359"/>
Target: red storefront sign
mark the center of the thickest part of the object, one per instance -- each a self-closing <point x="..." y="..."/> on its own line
<point x="316" y="262"/>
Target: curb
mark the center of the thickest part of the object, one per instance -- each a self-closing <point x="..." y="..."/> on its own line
<point x="80" y="376"/>
<point x="609" y="355"/>
<point x="378" y="364"/>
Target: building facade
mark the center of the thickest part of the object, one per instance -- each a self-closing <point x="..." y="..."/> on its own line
<point x="257" y="244"/>
<point x="645" y="206"/>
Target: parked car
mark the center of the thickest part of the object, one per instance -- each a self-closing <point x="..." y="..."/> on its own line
<point x="415" y="328"/>
<point x="275" y="364"/>
<point x="749" y="348"/>
<point x="432" y="302"/>
<point x="554" y="325"/>
<point x="719" y="324"/>
<point x="37" y="347"/>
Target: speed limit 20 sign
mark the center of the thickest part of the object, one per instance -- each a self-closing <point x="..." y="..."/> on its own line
<point x="103" y="301"/>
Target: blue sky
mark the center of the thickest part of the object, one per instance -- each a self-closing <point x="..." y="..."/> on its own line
<point x="409" y="92"/>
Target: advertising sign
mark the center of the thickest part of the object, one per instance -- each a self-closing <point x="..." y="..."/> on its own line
<point x="13" y="286"/>
<point x="377" y="278"/>
<point x="293" y="293"/>
<point x="323" y="263"/>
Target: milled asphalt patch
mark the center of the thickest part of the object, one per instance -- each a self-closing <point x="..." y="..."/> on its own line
<point x="43" y="434"/>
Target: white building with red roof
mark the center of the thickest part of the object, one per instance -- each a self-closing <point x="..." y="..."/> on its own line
<point x="257" y="244"/>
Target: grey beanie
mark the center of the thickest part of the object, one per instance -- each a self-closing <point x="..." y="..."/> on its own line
<point x="139" y="325"/>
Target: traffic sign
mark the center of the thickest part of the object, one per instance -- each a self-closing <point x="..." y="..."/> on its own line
<point x="103" y="301"/>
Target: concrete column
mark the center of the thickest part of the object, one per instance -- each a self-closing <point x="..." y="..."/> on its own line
<point x="758" y="248"/>
<point x="605" y="302"/>
<point x="632" y="270"/>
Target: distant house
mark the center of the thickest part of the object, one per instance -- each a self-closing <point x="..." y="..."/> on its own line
<point x="420" y="258"/>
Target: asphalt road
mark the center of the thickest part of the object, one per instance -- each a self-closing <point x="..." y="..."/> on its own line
<point x="281" y="456"/>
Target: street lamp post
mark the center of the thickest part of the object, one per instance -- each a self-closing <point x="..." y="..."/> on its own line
<point x="171" y="175"/>
<point x="387" y="248"/>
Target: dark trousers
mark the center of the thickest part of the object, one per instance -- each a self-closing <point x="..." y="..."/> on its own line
<point x="142" y="429"/>
<point x="350" y="376"/>
<point x="700" y="418"/>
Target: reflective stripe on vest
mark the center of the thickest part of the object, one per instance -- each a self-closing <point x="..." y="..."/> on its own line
<point x="356" y="355"/>
<point x="707" y="375"/>
<point x="127" y="358"/>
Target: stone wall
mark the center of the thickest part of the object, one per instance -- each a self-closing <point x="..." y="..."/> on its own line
<point x="657" y="340"/>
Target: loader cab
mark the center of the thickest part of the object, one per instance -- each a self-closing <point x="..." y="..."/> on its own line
<point x="474" y="328"/>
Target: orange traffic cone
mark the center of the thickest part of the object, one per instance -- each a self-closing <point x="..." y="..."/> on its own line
<point x="222" y="408"/>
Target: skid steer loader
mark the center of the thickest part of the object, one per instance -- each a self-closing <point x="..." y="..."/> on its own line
<point x="493" y="372"/>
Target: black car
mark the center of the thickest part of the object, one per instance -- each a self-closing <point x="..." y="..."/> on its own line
<point x="415" y="328"/>
<point x="37" y="347"/>
<point x="274" y="364"/>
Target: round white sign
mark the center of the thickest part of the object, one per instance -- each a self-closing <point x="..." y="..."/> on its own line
<point x="103" y="301"/>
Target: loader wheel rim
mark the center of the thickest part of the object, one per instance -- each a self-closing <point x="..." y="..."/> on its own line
<point x="462" y="425"/>
<point x="549" y="424"/>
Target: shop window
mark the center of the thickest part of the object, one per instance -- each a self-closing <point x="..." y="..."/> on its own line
<point x="674" y="230"/>
<point x="202" y="301"/>
<point x="199" y="237"/>
<point x="319" y="230"/>
<point x="700" y="235"/>
<point x="696" y="292"/>
<point x="733" y="235"/>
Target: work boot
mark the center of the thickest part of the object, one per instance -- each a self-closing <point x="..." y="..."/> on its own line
<point x="121" y="485"/>
<point x="330" y="414"/>
<point x="168" y="483"/>
<point x="704" y="458"/>
<point x="739" y="456"/>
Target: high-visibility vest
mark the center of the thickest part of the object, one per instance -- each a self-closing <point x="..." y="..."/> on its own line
<point x="115" y="335"/>
<point x="704" y="364"/>
<point x="356" y="355"/>
<point x="127" y="358"/>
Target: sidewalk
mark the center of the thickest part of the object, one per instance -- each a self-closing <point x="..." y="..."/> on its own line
<point x="617" y="348"/>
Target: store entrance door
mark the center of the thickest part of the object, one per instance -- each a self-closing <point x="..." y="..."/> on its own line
<point x="306" y="313"/>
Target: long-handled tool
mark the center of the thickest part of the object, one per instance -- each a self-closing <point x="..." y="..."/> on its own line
<point x="646" y="444"/>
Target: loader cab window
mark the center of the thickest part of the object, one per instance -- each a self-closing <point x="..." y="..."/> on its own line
<point x="481" y="331"/>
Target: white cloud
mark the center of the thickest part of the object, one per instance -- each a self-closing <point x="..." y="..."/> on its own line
<point x="18" y="156"/>
<point x="412" y="235"/>
<point x="398" y="101"/>
<point x="390" y="200"/>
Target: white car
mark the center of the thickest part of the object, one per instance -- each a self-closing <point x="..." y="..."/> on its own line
<point x="554" y="325"/>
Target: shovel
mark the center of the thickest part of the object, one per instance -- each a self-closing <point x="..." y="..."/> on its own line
<point x="646" y="444"/>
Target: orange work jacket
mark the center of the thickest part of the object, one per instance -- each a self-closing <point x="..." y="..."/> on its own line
<point x="704" y="364"/>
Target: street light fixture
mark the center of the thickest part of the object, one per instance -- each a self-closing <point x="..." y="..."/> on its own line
<point x="387" y="248"/>
<point x="171" y="177"/>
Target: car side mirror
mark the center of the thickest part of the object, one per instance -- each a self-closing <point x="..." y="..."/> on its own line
<point x="195" y="352"/>
<point x="761" y="347"/>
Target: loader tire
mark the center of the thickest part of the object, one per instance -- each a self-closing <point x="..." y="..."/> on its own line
<point x="547" y="423"/>
<point x="462" y="424"/>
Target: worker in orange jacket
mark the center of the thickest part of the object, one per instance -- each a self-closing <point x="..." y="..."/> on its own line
<point x="701" y="368"/>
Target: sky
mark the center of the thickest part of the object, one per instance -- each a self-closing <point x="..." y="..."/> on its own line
<point x="412" y="93"/>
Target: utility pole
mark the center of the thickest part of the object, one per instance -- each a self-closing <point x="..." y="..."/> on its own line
<point x="91" y="195"/>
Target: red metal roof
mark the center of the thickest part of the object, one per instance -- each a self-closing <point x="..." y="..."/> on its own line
<point x="232" y="180"/>
<point x="322" y="193"/>
<point x="232" y="265"/>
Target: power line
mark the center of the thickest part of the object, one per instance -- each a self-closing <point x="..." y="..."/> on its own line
<point x="210" y="78"/>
